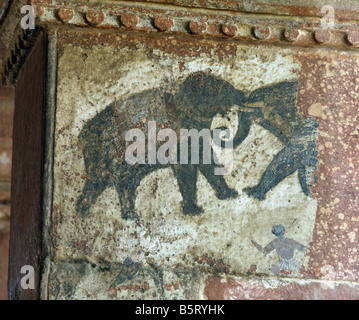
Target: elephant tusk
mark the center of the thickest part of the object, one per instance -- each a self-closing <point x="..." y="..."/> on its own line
<point x="224" y="139"/>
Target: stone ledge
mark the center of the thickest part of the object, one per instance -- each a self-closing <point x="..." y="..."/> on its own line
<point x="241" y="26"/>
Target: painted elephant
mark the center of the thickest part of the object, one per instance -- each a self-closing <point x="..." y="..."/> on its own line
<point x="199" y="98"/>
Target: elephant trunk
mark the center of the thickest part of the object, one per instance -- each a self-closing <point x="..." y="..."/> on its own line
<point x="244" y="123"/>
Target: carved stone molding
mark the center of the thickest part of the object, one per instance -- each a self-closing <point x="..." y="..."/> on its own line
<point x="274" y="29"/>
<point x="280" y="29"/>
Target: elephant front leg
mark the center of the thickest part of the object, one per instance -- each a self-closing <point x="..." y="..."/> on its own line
<point x="218" y="183"/>
<point x="187" y="179"/>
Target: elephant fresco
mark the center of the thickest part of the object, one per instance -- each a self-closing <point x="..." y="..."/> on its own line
<point x="199" y="98"/>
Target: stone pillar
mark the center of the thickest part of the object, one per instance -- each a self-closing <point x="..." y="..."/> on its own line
<point x="280" y="222"/>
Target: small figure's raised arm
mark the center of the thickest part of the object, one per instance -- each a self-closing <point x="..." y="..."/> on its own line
<point x="269" y="248"/>
<point x="299" y="246"/>
<point x="259" y="247"/>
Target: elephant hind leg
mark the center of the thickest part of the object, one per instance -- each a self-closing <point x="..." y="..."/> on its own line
<point x="91" y="191"/>
<point x="218" y="183"/>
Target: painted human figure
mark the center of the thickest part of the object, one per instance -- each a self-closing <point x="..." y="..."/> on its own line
<point x="285" y="249"/>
